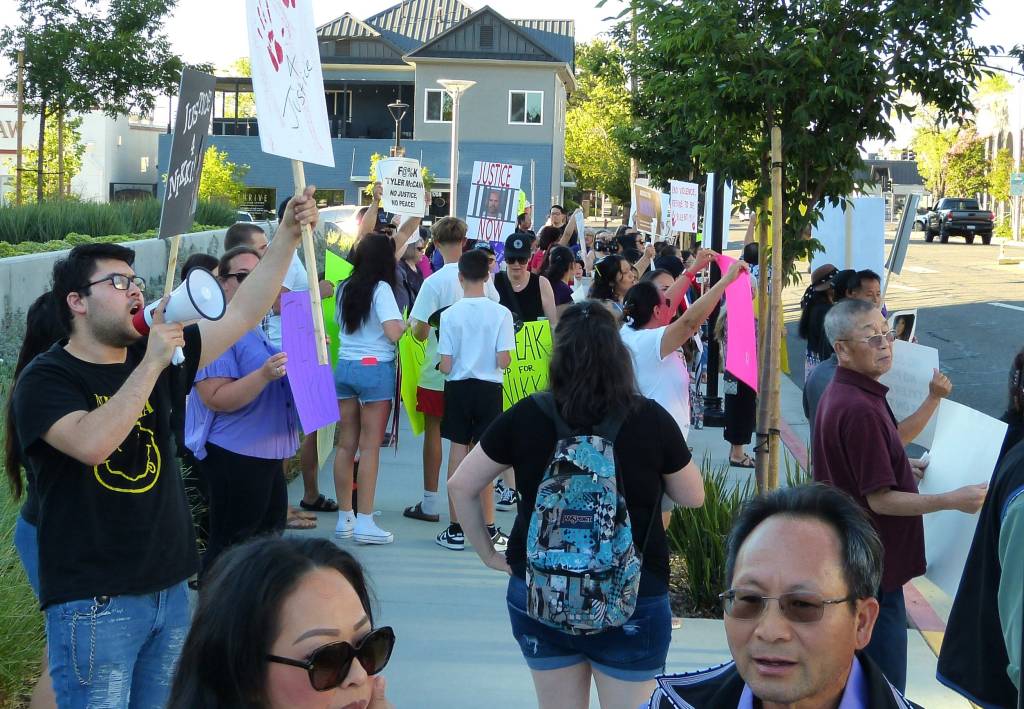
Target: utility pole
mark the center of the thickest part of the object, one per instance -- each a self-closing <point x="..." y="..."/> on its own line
<point x="18" y="127"/>
<point x="714" y="414"/>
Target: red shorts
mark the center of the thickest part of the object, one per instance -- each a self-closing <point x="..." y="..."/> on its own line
<point x="430" y="402"/>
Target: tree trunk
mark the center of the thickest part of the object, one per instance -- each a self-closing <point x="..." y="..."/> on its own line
<point x="775" y="314"/>
<point x="40" y="148"/>
<point x="763" y="323"/>
<point x="60" y="154"/>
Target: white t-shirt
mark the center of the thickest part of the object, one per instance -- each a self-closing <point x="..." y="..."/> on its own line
<point x="440" y="290"/>
<point x="295" y="280"/>
<point x="369" y="340"/>
<point x="667" y="380"/>
<point x="473" y="331"/>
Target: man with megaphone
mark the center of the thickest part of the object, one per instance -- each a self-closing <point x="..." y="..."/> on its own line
<point x="92" y="415"/>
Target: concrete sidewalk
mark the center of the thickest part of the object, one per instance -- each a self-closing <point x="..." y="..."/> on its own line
<point x="454" y="647"/>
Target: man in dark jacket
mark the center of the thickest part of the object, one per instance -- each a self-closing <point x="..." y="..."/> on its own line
<point x="796" y="623"/>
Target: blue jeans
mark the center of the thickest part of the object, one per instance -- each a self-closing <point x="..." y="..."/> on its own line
<point x="888" y="646"/>
<point x="117" y="651"/>
<point x="27" y="545"/>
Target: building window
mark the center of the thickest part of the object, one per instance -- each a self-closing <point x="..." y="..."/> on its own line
<point x="526" y="107"/>
<point x="438" y="107"/>
<point x="143" y="164"/>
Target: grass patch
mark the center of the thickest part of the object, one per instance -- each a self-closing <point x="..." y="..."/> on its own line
<point x="21" y="622"/>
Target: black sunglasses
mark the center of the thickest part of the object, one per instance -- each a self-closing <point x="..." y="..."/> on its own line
<point x="328" y="665"/>
<point x="517" y="259"/>
<point x="241" y="276"/>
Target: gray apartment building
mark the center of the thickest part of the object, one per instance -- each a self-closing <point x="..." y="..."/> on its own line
<point x="515" y="113"/>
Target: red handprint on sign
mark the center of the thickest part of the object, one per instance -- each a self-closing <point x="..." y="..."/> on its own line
<point x="266" y="31"/>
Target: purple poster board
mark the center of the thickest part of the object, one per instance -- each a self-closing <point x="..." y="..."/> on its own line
<point x="312" y="384"/>
<point x="741" y="352"/>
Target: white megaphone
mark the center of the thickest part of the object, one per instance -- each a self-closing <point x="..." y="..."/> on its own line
<point x="199" y="297"/>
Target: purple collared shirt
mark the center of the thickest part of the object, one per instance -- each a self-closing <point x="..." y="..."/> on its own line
<point x="267" y="427"/>
<point x="855" y="696"/>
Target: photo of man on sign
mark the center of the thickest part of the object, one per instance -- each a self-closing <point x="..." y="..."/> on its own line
<point x="493" y="201"/>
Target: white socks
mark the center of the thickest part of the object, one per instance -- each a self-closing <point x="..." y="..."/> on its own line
<point x="429" y="504"/>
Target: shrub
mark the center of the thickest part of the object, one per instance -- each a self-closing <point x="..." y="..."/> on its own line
<point x="698" y="536"/>
<point x="72" y="240"/>
<point x="54" y="220"/>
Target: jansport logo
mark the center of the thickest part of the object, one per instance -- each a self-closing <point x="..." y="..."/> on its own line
<point x="577" y="519"/>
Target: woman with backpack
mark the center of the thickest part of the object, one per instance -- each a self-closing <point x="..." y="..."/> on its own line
<point x="591" y="460"/>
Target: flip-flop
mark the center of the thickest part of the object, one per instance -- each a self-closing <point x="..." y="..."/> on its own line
<point x="747" y="462"/>
<point x="294" y="513"/>
<point x="322" y="504"/>
<point x="416" y="512"/>
<point x="300" y="523"/>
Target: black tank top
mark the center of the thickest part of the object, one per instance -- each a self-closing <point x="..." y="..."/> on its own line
<point x="525" y="305"/>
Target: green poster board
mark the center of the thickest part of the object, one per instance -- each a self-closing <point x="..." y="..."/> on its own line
<point x="528" y="371"/>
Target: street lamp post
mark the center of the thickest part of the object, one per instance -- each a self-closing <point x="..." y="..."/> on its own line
<point x="455" y="88"/>
<point x="398" y="109"/>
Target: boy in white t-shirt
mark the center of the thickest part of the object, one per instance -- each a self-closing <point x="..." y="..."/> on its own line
<point x="439" y="290"/>
<point x="475" y="342"/>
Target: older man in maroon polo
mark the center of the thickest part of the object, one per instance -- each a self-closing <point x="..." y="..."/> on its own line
<point x="857" y="448"/>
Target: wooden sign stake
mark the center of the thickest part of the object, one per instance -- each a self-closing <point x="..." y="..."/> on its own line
<point x="299" y="177"/>
<point x="172" y="264"/>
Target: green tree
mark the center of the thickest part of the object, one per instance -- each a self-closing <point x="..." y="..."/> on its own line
<point x="716" y="75"/>
<point x="999" y="176"/>
<point x="74" y="149"/>
<point x="221" y="179"/>
<point x="966" y="167"/>
<point x="247" y="100"/>
<point x="931" y="145"/>
<point x="596" y="111"/>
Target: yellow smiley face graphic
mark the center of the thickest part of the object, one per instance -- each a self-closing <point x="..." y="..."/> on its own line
<point x="135" y="466"/>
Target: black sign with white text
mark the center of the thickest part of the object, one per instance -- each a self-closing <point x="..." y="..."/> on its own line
<point x="195" y="106"/>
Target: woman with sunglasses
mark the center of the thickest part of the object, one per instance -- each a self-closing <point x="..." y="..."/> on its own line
<point x="592" y="382"/>
<point x="529" y="296"/>
<point x="241" y="425"/>
<point x="654" y="336"/>
<point x="613" y="277"/>
<point x="284" y="624"/>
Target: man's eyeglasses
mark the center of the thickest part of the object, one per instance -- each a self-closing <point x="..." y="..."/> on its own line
<point x="876" y="341"/>
<point x="120" y="281"/>
<point x="328" y="665"/>
<point x="798" y="607"/>
<point x="240" y="276"/>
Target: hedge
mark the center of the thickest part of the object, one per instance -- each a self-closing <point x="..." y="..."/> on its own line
<point x="72" y="240"/>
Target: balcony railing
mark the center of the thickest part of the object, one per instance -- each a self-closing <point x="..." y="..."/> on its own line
<point x="339" y="128"/>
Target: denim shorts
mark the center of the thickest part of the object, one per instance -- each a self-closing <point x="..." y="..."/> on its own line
<point x="27" y="545"/>
<point x="635" y="652"/>
<point x="367" y="382"/>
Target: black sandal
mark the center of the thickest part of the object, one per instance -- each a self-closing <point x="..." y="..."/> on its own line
<point x="747" y="462"/>
<point x="416" y="512"/>
<point x="322" y="504"/>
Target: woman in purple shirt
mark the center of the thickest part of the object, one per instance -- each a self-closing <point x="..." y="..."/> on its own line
<point x="241" y="425"/>
<point x="560" y="271"/>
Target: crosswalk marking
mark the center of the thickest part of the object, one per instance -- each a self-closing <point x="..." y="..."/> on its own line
<point x="919" y="269"/>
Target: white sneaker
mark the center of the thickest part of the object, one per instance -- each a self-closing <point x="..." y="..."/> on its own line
<point x="346" y="523"/>
<point x="370" y="533"/>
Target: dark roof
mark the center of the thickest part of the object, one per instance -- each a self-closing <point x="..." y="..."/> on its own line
<point x="346" y="26"/>
<point x="556" y="36"/>
<point x="447" y="43"/>
<point x="901" y="172"/>
<point x="412" y="23"/>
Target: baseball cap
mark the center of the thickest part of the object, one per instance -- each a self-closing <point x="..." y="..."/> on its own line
<point x="517" y="246"/>
<point x="484" y="246"/>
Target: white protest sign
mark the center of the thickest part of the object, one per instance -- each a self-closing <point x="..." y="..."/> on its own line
<point x="580" y="224"/>
<point x="493" y="200"/>
<point x="287" y="81"/>
<point x="854" y="238"/>
<point x="912" y="370"/>
<point x="403" y="187"/>
<point x="683" y="205"/>
<point x="967" y="443"/>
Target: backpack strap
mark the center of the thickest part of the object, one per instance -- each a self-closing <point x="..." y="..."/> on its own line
<point x="545" y="400"/>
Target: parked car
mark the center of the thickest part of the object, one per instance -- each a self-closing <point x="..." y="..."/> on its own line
<point x="244" y="217"/>
<point x="959" y="216"/>
<point x="921" y="219"/>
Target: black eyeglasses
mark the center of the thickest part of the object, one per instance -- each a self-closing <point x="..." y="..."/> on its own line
<point x="798" y="607"/>
<point x="120" y="281"/>
<point x="240" y="276"/>
<point x="328" y="665"/>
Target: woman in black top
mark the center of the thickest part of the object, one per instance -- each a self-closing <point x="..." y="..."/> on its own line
<point x="591" y="379"/>
<point x="817" y="301"/>
<point x="526" y="294"/>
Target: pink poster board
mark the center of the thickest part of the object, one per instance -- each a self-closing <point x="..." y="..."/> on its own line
<point x="741" y="333"/>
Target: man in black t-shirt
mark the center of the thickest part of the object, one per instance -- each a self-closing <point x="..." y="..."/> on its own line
<point x="116" y="543"/>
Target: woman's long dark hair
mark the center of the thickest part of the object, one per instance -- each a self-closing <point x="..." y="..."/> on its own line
<point x="640" y="302"/>
<point x="42" y="329"/>
<point x="223" y="663"/>
<point x="606" y="272"/>
<point x="591" y="371"/>
<point x="811" y="300"/>
<point x="558" y="261"/>
<point x="1016" y="403"/>
<point x="547" y="236"/>
<point x="374" y="263"/>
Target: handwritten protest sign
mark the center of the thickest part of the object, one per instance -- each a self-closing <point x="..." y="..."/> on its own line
<point x="403" y="187"/>
<point x="741" y="336"/>
<point x="493" y="200"/>
<point x="967" y="443"/>
<point x="912" y="370"/>
<point x="683" y="205"/>
<point x="527" y="373"/>
<point x="287" y="81"/>
<point x="195" y="105"/>
<point x="312" y="384"/>
<point x="411" y="355"/>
